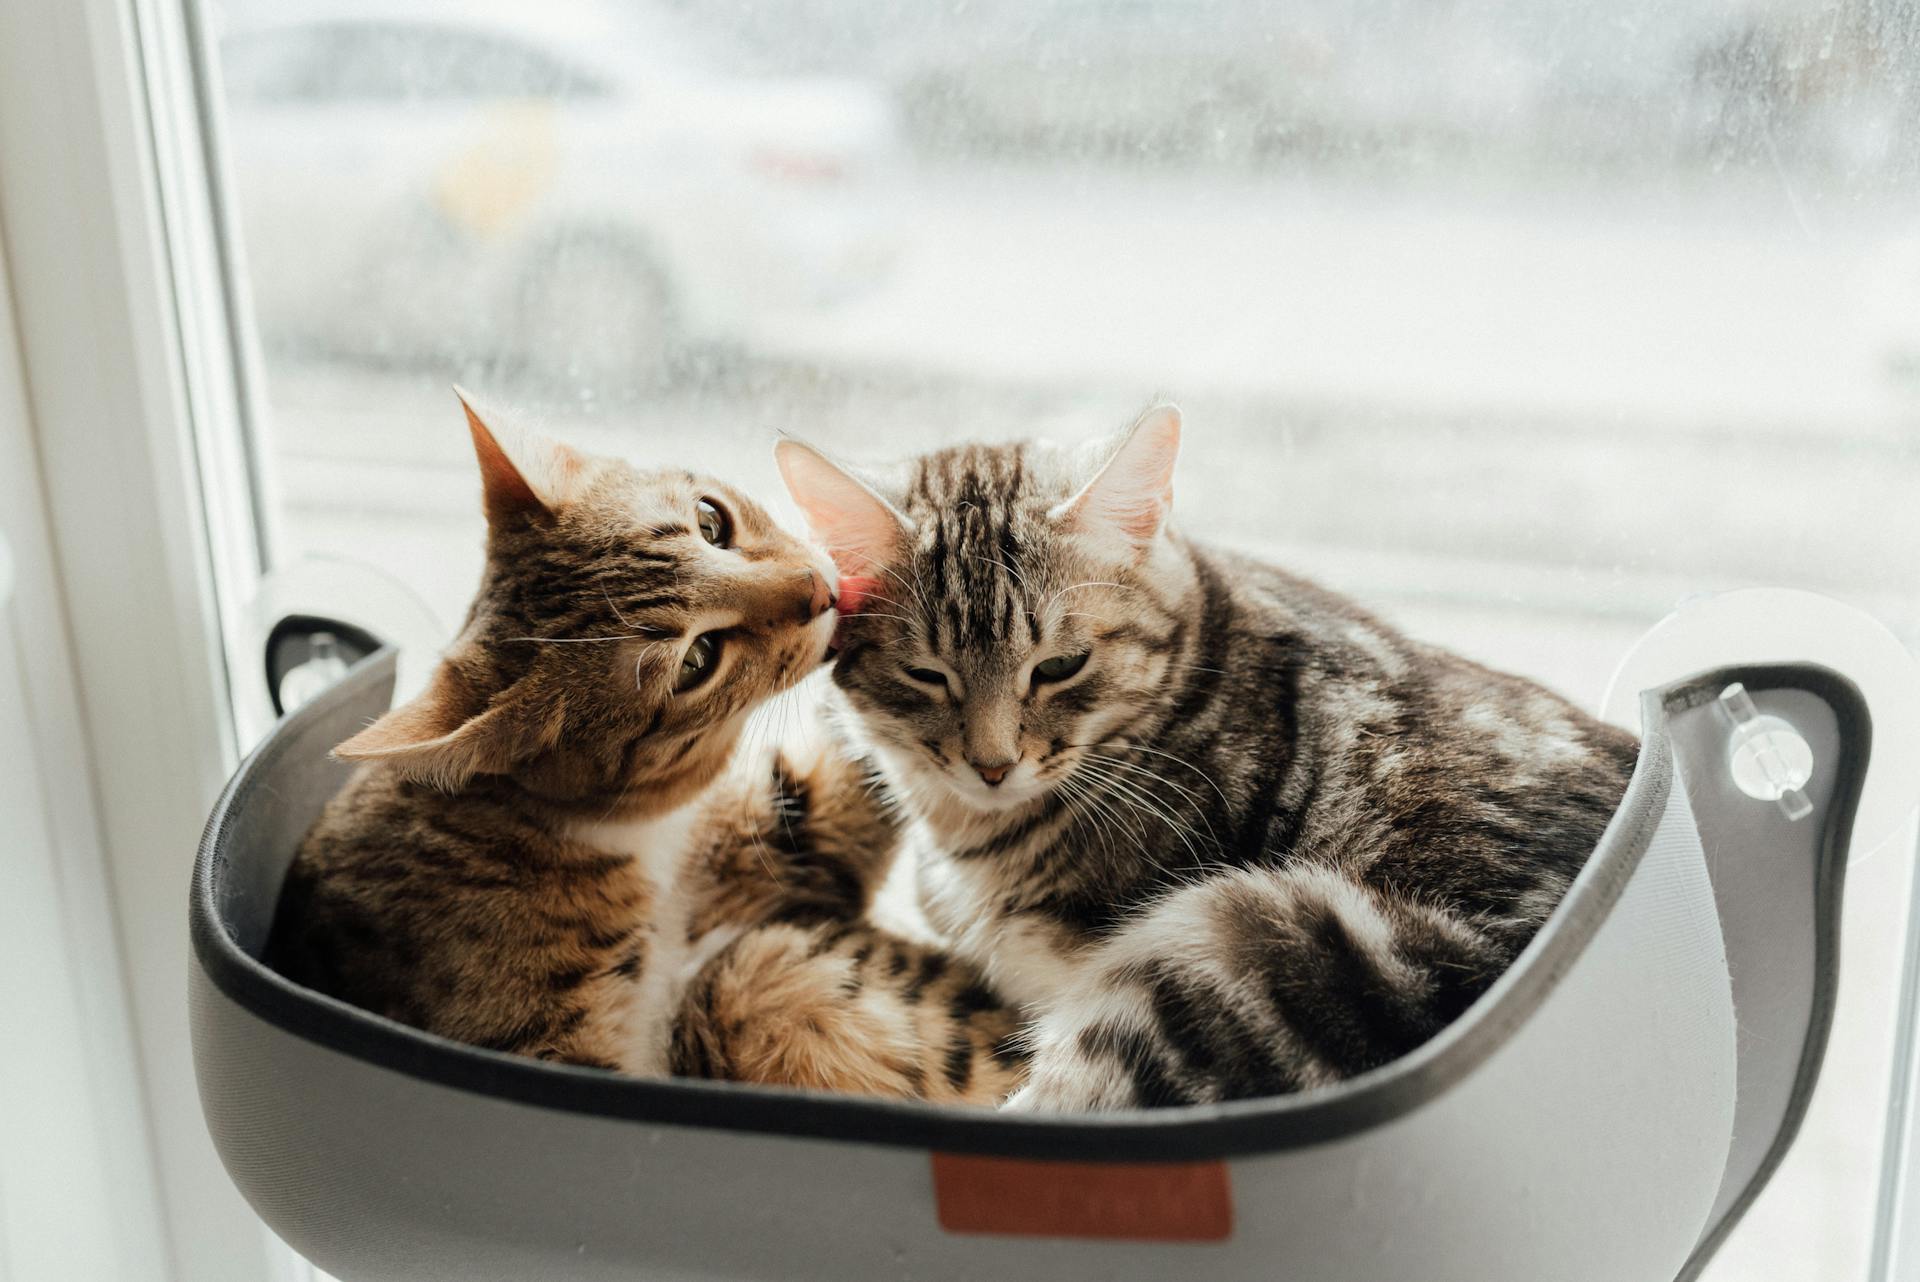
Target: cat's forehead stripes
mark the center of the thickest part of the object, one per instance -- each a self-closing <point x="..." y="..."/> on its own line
<point x="976" y="510"/>
<point x="970" y="473"/>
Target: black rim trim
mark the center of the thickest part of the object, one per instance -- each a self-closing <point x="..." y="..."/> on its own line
<point x="1829" y="883"/>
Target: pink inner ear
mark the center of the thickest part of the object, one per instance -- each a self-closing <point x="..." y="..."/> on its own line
<point x="1131" y="494"/>
<point x="855" y="526"/>
<point x="504" y="488"/>
<point x="412" y="725"/>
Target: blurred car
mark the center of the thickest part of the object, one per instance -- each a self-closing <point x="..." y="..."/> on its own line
<point x="1137" y="79"/>
<point x="568" y="188"/>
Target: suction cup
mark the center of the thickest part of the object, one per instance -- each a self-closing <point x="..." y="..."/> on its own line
<point x="1768" y="758"/>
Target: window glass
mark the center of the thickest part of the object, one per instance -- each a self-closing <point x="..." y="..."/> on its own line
<point x="1521" y="320"/>
<point x="315" y="64"/>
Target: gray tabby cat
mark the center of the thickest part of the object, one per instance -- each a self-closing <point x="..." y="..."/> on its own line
<point x="1221" y="833"/>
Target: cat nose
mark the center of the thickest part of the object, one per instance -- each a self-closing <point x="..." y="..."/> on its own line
<point x="992" y="775"/>
<point x="822" y="597"/>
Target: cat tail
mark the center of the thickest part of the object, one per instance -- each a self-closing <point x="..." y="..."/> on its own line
<point x="1258" y="982"/>
<point x="851" y="1008"/>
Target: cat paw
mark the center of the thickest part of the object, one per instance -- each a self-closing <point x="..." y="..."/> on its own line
<point x="1057" y="1092"/>
<point x="1024" y="1100"/>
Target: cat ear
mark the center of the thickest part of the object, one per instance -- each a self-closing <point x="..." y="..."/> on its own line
<point x="1129" y="497"/>
<point x="859" y="528"/>
<point x="520" y="475"/>
<point x="449" y="733"/>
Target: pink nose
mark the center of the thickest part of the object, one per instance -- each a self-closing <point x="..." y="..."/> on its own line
<point x="993" y="774"/>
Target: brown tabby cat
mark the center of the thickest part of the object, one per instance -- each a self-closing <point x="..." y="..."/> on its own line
<point x="553" y="852"/>
<point x="1219" y="831"/>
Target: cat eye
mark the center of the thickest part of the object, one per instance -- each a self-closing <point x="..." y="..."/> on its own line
<point x="1059" y="667"/>
<point x="701" y="658"/>
<point x="928" y="676"/>
<point x="716" y="527"/>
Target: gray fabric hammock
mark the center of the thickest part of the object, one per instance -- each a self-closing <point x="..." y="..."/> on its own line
<point x="1604" y="1113"/>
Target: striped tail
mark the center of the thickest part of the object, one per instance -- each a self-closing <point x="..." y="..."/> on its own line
<point x="1260" y="982"/>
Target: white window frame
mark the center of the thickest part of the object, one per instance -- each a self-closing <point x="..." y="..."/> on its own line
<point x="78" y="1195"/>
<point x="131" y="396"/>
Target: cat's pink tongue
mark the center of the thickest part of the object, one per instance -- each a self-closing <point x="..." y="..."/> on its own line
<point x="854" y="591"/>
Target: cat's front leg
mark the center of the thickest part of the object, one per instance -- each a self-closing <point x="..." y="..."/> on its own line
<point x="1062" y="1080"/>
<point x="1099" y="1048"/>
<point x="1145" y="1018"/>
<point x="797" y="834"/>
<point x="1032" y="960"/>
<point x="1140" y="1033"/>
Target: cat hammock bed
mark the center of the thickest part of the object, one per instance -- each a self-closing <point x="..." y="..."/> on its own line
<point x="1604" y="1113"/>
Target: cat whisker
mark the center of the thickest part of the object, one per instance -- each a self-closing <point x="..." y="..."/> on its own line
<point x="1079" y="794"/>
<point x="1182" y="761"/>
<point x="1136" y="768"/>
<point x="1133" y="795"/>
<point x="624" y="621"/>
<point x="1090" y="583"/>
<point x="1078" y="810"/>
<point x="752" y="752"/>
<point x="1192" y="667"/>
<point x="759" y="842"/>
<point x="1123" y="745"/>
<point x="624" y="636"/>
<point x="1153" y="806"/>
<point x="1017" y="576"/>
<point x="1140" y="790"/>
<point x="918" y="593"/>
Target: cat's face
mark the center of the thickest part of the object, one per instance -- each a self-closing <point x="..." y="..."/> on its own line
<point x="628" y="623"/>
<point x="664" y="601"/>
<point x="1014" y="631"/>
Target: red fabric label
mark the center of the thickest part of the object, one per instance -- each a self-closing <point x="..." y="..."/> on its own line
<point x="1143" y="1202"/>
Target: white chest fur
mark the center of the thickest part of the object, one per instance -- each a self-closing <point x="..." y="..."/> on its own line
<point x="1026" y="958"/>
<point x="662" y="846"/>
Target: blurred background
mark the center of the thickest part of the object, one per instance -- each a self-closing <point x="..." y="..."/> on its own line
<point x="1521" y="320"/>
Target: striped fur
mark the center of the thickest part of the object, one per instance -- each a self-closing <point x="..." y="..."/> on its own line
<point x="1258" y="843"/>
<point x="846" y="1006"/>
<point x="552" y="853"/>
